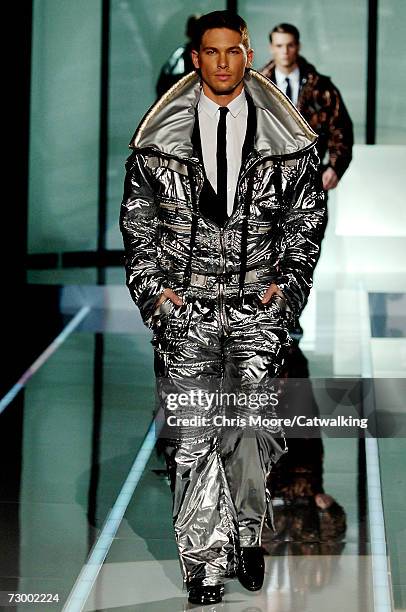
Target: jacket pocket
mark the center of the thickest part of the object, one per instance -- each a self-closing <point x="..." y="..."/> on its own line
<point x="273" y="314"/>
<point x="161" y="313"/>
<point x="170" y="320"/>
<point x="276" y="303"/>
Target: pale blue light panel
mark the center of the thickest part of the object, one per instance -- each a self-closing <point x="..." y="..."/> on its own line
<point x="333" y="36"/>
<point x="391" y="92"/>
<point x="64" y="136"/>
<point x="143" y="35"/>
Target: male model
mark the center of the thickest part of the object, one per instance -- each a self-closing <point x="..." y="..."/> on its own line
<point x="222" y="218"/>
<point x="317" y="99"/>
<point x="320" y="103"/>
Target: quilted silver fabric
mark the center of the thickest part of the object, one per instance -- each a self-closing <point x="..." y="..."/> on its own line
<point x="222" y="339"/>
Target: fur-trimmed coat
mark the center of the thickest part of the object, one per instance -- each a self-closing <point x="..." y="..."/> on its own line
<point x="322" y="106"/>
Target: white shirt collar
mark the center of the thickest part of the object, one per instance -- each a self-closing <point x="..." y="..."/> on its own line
<point x="292" y="76"/>
<point x="210" y="107"/>
<point x="236" y="105"/>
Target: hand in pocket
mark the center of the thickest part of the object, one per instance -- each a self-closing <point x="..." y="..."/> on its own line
<point x="272" y="290"/>
<point x="168" y="294"/>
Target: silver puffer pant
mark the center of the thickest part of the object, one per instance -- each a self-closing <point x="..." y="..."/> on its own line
<point x="218" y="465"/>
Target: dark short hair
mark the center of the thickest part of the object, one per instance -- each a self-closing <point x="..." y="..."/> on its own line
<point x="220" y="19"/>
<point x="286" y="28"/>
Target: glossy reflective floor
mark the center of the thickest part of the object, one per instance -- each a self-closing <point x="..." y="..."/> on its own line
<point x="71" y="436"/>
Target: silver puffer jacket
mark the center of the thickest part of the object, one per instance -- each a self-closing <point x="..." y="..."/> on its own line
<point x="279" y="214"/>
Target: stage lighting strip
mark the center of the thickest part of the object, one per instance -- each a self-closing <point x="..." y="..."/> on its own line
<point x="34" y="367"/>
<point x="88" y="575"/>
<point x="381" y="578"/>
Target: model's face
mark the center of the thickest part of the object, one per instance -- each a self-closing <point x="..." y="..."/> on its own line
<point x="222" y="60"/>
<point x="285" y="50"/>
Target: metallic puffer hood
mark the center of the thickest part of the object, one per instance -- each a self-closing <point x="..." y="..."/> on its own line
<point x="168" y="125"/>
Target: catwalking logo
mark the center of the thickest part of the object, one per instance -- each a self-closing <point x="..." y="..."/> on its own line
<point x="339" y="421"/>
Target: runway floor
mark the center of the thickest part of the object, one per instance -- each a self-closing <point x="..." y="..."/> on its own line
<point x="85" y="506"/>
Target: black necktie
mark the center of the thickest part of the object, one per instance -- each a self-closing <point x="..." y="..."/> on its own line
<point x="288" y="91"/>
<point x="222" y="161"/>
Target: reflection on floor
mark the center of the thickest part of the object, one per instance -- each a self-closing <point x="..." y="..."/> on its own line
<point x="69" y="439"/>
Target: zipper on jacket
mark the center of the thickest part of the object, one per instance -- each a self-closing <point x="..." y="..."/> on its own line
<point x="221" y="290"/>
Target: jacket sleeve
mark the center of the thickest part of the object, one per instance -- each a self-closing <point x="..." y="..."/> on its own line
<point x="340" y="134"/>
<point x="138" y="224"/>
<point x="302" y="226"/>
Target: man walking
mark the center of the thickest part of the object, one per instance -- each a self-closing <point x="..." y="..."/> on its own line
<point x="317" y="99"/>
<point x="320" y="103"/>
<point x="222" y="218"/>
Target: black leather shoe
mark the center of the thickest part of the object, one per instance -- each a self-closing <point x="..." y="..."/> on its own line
<point x="251" y="567"/>
<point x="206" y="594"/>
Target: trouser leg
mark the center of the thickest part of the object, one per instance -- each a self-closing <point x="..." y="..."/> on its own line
<point x="204" y="519"/>
<point x="254" y="353"/>
<point x="188" y="357"/>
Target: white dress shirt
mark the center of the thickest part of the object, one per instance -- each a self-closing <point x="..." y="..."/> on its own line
<point x="294" y="79"/>
<point x="236" y="123"/>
